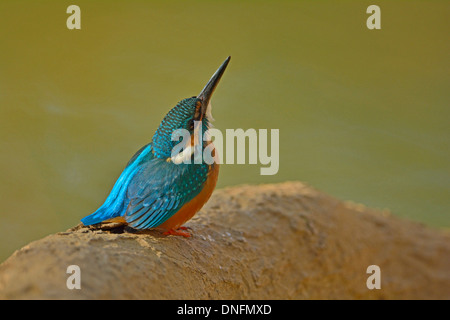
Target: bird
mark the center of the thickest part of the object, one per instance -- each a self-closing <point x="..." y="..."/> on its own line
<point x="159" y="190"/>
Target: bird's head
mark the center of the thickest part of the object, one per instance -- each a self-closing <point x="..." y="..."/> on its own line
<point x="187" y="113"/>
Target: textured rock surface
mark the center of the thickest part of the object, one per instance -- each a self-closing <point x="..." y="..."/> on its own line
<point x="281" y="241"/>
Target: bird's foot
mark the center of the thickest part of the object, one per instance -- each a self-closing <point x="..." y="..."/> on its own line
<point x="178" y="232"/>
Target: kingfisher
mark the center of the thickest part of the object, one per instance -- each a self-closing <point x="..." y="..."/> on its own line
<point x="159" y="189"/>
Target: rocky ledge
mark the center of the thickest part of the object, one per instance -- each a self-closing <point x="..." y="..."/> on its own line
<point x="279" y="241"/>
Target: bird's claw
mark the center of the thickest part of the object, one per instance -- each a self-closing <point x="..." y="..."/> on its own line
<point x="178" y="232"/>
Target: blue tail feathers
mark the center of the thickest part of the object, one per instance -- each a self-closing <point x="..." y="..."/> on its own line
<point x="116" y="203"/>
<point x="98" y="216"/>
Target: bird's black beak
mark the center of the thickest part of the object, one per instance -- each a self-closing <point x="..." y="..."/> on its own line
<point x="206" y="93"/>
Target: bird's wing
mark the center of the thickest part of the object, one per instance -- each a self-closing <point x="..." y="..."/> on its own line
<point x="159" y="189"/>
<point x="116" y="202"/>
<point x="138" y="153"/>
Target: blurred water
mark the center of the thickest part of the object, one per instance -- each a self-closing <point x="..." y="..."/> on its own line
<point x="363" y="115"/>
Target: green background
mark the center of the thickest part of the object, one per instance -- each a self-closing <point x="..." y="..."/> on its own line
<point x="363" y="114"/>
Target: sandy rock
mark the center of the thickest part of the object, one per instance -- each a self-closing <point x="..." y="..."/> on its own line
<point x="281" y="241"/>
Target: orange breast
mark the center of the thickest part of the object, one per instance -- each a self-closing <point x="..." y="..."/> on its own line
<point x="192" y="207"/>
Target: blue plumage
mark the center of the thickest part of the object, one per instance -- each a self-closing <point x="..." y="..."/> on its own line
<point x="161" y="188"/>
<point x="117" y="202"/>
<point x="151" y="189"/>
<point x="155" y="186"/>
